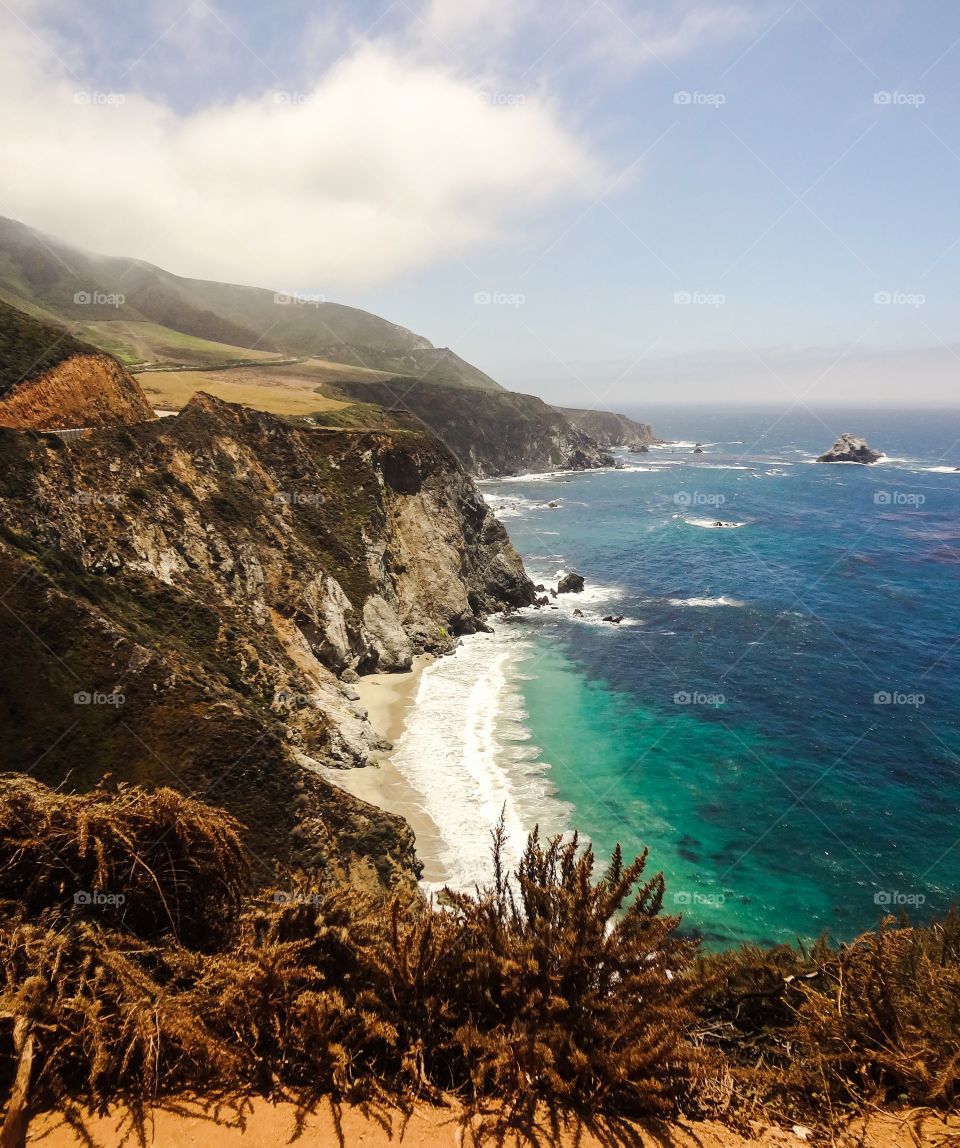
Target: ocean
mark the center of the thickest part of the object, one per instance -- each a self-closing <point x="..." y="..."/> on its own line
<point x="776" y="717"/>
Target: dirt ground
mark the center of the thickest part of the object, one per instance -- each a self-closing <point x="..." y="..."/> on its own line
<point x="262" y="1124"/>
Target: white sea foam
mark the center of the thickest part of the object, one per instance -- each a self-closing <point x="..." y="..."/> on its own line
<point x="509" y="506"/>
<point x="711" y="523"/>
<point x="467" y="752"/>
<point x="722" y="600"/>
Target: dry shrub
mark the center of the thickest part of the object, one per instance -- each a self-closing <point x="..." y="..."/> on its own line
<point x="113" y="1017"/>
<point x="549" y="989"/>
<point x="819" y="1034"/>
<point x="884" y="1018"/>
<point x="158" y="862"/>
<point x="548" y="992"/>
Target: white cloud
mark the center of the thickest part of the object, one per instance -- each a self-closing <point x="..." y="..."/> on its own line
<point x="386" y="165"/>
<point x="413" y="148"/>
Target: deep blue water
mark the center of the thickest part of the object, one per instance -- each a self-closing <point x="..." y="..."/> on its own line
<point x="777" y="717"/>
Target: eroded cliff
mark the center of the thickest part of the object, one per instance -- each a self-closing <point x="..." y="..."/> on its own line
<point x="181" y="596"/>
<point x="83" y="390"/>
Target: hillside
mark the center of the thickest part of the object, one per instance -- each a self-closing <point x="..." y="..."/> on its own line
<point x="490" y="433"/>
<point x="610" y="429"/>
<point x="300" y="357"/>
<point x="139" y="312"/>
<point x="49" y="379"/>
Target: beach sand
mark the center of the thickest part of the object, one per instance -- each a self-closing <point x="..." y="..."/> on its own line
<point x="388" y="699"/>
<point x="266" y="1125"/>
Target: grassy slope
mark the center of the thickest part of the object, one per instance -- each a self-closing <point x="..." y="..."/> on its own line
<point x="292" y="389"/>
<point x="40" y="272"/>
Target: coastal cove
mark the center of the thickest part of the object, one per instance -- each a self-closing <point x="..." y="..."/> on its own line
<point x="736" y="721"/>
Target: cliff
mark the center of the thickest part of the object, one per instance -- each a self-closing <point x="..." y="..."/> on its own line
<point x="81" y="391"/>
<point x="182" y="594"/>
<point x="49" y="379"/>
<point x="609" y="429"/>
<point x="490" y="432"/>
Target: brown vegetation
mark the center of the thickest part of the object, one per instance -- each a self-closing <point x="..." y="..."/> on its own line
<point x="550" y="995"/>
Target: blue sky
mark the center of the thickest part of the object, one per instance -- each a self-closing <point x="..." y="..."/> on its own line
<point x="600" y="203"/>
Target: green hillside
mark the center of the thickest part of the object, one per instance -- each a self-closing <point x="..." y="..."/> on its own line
<point x="141" y="313"/>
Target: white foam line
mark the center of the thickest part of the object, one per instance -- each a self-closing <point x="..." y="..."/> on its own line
<point x="467" y="752"/>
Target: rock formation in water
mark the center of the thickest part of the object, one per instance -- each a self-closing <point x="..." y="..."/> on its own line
<point x="851" y="448"/>
<point x="571" y="583"/>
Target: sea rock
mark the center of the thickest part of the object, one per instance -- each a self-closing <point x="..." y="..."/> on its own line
<point x="350" y="676"/>
<point x="851" y="448"/>
<point x="578" y="613"/>
<point x="698" y="449"/>
<point x="571" y="583"/>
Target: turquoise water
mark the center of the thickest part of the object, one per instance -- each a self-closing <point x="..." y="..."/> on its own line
<point x="776" y="718"/>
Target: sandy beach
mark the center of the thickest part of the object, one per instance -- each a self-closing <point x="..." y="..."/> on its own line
<point x="388" y="699"/>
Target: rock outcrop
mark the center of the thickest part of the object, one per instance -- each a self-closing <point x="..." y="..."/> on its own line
<point x="851" y="448"/>
<point x="609" y="429"/>
<point x="87" y="390"/>
<point x="490" y="432"/>
<point x="571" y="583"/>
<point x="50" y="380"/>
<point x="181" y="596"/>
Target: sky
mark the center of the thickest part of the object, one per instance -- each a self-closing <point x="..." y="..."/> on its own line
<point x="598" y="201"/>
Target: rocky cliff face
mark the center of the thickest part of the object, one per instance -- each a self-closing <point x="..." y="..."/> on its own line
<point x="490" y="432"/>
<point x="609" y="429"/>
<point x="180" y="597"/>
<point x="83" y="390"/>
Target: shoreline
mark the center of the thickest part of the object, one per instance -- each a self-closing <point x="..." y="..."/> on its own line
<point x="388" y="699"/>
